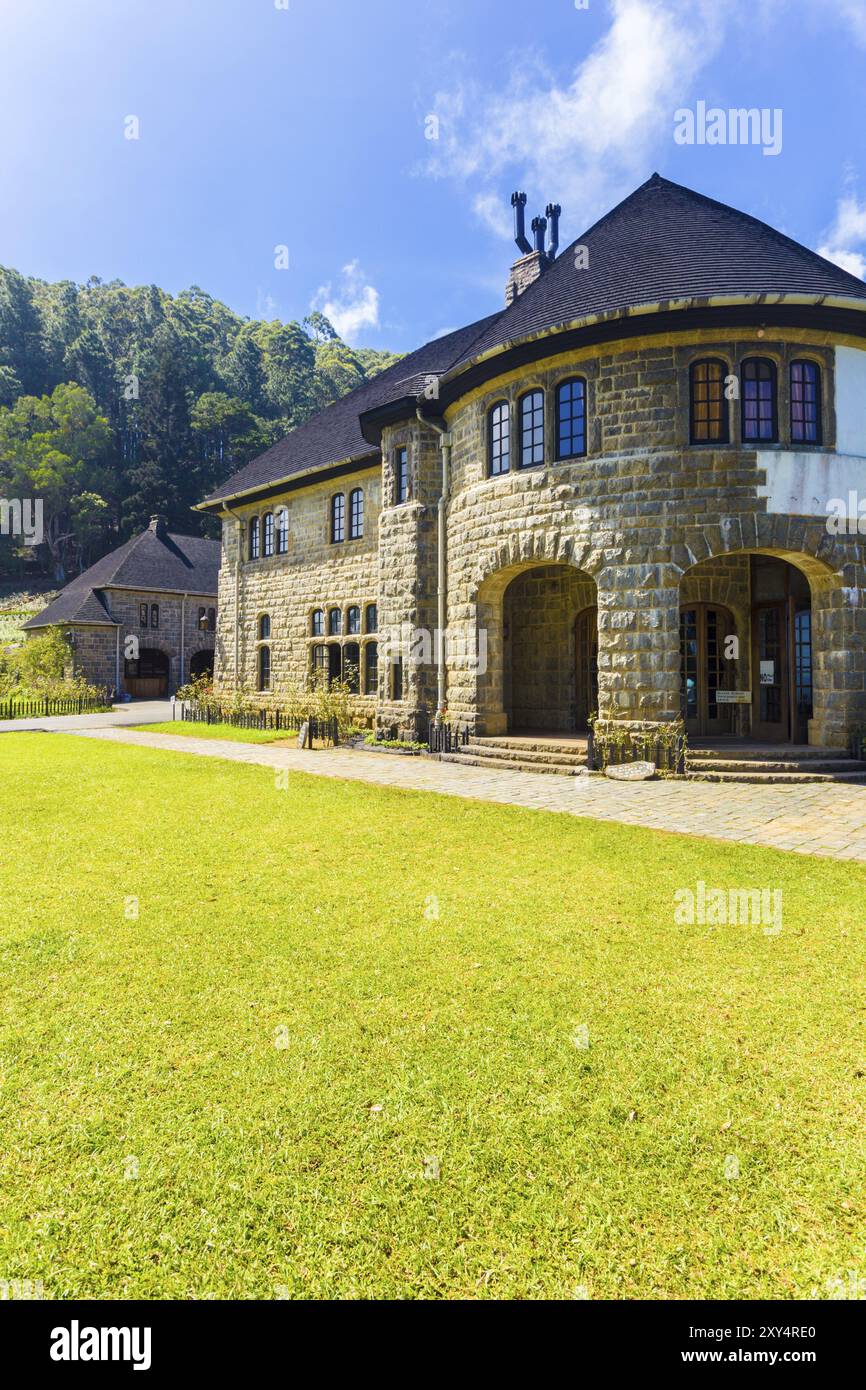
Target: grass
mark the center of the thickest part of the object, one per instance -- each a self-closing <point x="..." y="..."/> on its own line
<point x="332" y="989"/>
<point x="191" y="729"/>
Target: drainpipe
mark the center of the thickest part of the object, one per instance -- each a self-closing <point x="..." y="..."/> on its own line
<point x="117" y="666"/>
<point x="182" y="635"/>
<point x="237" y="621"/>
<point x="441" y="587"/>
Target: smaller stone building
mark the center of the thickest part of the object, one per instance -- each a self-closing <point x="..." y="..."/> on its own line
<point x="142" y="620"/>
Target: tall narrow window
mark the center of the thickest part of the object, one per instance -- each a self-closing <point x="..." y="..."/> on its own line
<point x="282" y="531"/>
<point x="758" y="392"/>
<point x="371" y="668"/>
<point x="142" y="615"/>
<point x="352" y="667"/>
<point x="371" y="618"/>
<point x="154" y="615"/>
<point x="264" y="627"/>
<point x="338" y="518"/>
<point x="397" y="678"/>
<point x="320" y="664"/>
<point x="356" y="514"/>
<point x="353" y="621"/>
<point x="202" y="619"/>
<point x="264" y="668"/>
<point x="709" y="409"/>
<point x="335" y="622"/>
<point x="805" y="403"/>
<point x="531" y="411"/>
<point x="211" y="620"/>
<point x="401" y="475"/>
<point x="571" y="418"/>
<point x="268" y="546"/>
<point x="255" y="533"/>
<point x="498" y="440"/>
<point x="317" y="623"/>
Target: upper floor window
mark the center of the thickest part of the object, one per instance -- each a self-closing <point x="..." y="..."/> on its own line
<point x="758" y="392"/>
<point x="401" y="475"/>
<point x="335" y="622"/>
<point x="268" y="547"/>
<point x="154" y="615"/>
<point x="255" y="533"/>
<point x="207" y="620"/>
<point x="709" y="409"/>
<point x="356" y="514"/>
<point x="142" y="615"/>
<point x="571" y="418"/>
<point x="805" y="403"/>
<point x="282" y="527"/>
<point x="531" y="412"/>
<point x="338" y="518"/>
<point x="353" y="620"/>
<point x="372" y="618"/>
<point x="317" y="624"/>
<point x="264" y="627"/>
<point x="499" y="438"/>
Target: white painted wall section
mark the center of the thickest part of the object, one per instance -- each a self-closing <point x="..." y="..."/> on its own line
<point x="850" y="401"/>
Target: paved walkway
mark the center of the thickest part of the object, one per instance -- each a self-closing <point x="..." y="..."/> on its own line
<point x="137" y="712"/>
<point x="818" y="818"/>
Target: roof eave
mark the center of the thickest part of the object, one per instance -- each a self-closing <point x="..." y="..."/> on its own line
<point x="291" y="482"/>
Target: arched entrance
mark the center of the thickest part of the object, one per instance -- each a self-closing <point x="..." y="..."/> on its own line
<point x="549" y="650"/>
<point x="147" y="677"/>
<point x="201" y="664"/>
<point x="746" y="657"/>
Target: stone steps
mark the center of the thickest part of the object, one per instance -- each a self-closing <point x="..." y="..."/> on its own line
<point x="767" y="763"/>
<point x="498" y="762"/>
<point x="759" y="778"/>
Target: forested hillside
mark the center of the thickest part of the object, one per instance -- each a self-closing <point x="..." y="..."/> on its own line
<point x="118" y="402"/>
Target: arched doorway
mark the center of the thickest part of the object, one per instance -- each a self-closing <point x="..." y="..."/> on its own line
<point x="147" y="677"/>
<point x="586" y="658"/>
<point x="550" y="655"/>
<point x="201" y="664"/>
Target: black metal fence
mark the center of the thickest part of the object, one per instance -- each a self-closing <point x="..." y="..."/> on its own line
<point x="669" y="755"/>
<point x="446" y="738"/>
<point x="45" y="706"/>
<point x="274" y="720"/>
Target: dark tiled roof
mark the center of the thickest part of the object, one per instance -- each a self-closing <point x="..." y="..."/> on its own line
<point x="334" y="435"/>
<point x="157" y="561"/>
<point x="664" y="242"/>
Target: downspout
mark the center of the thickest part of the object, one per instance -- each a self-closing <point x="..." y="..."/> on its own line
<point x="117" y="666"/>
<point x="441" y="580"/>
<point x="237" y="621"/>
<point x="182" y="635"/>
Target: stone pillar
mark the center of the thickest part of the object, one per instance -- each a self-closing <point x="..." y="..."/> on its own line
<point x="638" y="645"/>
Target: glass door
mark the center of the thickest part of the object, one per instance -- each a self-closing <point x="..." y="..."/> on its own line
<point x="704" y="668"/>
<point x="770" y="703"/>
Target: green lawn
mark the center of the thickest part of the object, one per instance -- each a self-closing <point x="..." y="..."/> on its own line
<point x="239" y="1093"/>
<point x="193" y="729"/>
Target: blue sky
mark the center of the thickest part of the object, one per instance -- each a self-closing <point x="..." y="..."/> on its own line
<point x="305" y="126"/>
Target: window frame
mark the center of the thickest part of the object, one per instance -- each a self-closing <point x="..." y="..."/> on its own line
<point x="371" y="669"/>
<point x="725" y="418"/>
<point x="354" y="608"/>
<point x="503" y="405"/>
<point x="335" y="631"/>
<point x="521" y="432"/>
<point x="263" y="627"/>
<point x="758" y="441"/>
<point x="338" y="518"/>
<point x="281" y="531"/>
<point x="374" y="609"/>
<point x="154" y="617"/>
<point x="402" y="491"/>
<point x="317" y="622"/>
<point x="571" y="381"/>
<point x="356" y="514"/>
<point x="263" y="667"/>
<point x="819" y="401"/>
<point x="267" y="535"/>
<point x="142" y="615"/>
<point x="255" y="538"/>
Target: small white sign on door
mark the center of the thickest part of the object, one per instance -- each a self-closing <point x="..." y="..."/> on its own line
<point x="768" y="673"/>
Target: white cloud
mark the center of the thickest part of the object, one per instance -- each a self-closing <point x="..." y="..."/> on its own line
<point x="847" y="232"/>
<point x="586" y="143"/>
<point x="854" y="13"/>
<point x="353" y="307"/>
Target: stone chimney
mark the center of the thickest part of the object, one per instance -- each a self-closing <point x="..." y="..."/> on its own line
<point x="158" y="527"/>
<point x="533" y="261"/>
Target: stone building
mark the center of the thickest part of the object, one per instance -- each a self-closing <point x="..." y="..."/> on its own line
<point x="633" y="492"/>
<point x="142" y="620"/>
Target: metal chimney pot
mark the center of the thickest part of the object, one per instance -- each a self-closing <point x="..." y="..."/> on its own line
<point x="518" y="202"/>
<point x="553" y="211"/>
<point x="539" y="227"/>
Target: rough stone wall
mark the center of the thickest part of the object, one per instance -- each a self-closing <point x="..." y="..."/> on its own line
<point x="314" y="573"/>
<point x="95" y="648"/>
<point x="640" y="510"/>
